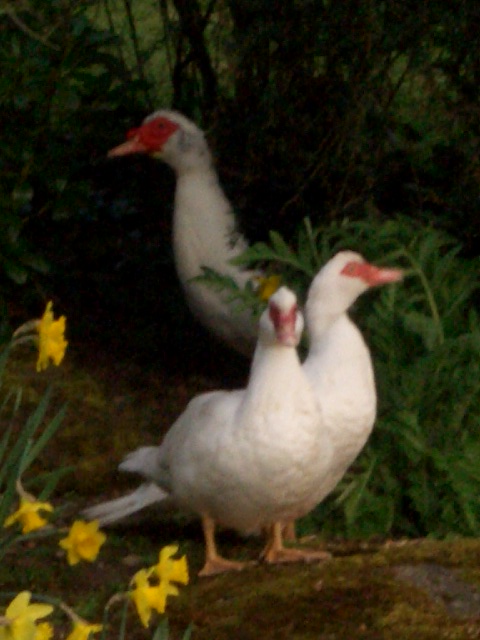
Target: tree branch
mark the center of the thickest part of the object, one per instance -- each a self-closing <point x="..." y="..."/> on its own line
<point x="193" y="25"/>
<point x="10" y="11"/>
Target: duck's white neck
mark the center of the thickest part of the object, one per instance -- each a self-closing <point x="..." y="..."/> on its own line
<point x="276" y="375"/>
<point x="336" y="338"/>
<point x="340" y="370"/>
<point x="204" y="235"/>
<point x="204" y="226"/>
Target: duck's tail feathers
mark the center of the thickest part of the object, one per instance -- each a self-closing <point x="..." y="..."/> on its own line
<point x="112" y="511"/>
<point x="145" y="461"/>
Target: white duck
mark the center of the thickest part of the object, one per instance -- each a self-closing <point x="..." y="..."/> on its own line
<point x="204" y="232"/>
<point x="339" y="364"/>
<point x="252" y="458"/>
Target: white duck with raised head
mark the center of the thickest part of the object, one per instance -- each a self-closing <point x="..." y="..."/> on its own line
<point x="204" y="228"/>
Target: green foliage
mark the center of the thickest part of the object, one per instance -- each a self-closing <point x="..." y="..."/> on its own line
<point x="240" y="298"/>
<point x="58" y="81"/>
<point x="419" y="473"/>
<point x="162" y="632"/>
<point x="19" y="449"/>
<point x="323" y="111"/>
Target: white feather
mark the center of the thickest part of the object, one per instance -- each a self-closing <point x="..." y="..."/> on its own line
<point x="112" y="511"/>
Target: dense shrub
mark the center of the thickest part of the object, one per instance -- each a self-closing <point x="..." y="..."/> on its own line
<point x="59" y="83"/>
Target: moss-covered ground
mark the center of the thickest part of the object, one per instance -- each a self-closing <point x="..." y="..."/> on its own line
<point x="361" y="593"/>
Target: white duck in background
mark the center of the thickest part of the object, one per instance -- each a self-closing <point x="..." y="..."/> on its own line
<point x="248" y="459"/>
<point x="339" y="369"/>
<point x="204" y="230"/>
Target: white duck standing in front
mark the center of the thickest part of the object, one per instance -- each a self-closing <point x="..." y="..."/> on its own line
<point x="248" y="459"/>
<point x="204" y="232"/>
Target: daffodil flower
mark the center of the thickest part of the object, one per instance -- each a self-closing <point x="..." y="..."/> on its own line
<point x="147" y="597"/>
<point x="51" y="340"/>
<point x="28" y="515"/>
<point x="82" y="630"/>
<point x="142" y="596"/>
<point x="267" y="286"/>
<point x="19" y="620"/>
<point x="83" y="541"/>
<point x="48" y="334"/>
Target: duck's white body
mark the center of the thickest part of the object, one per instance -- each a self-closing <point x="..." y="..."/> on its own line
<point x="246" y="459"/>
<point x="340" y="371"/>
<point x="203" y="220"/>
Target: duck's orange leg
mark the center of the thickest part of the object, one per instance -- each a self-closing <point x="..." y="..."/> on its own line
<point x="215" y="563"/>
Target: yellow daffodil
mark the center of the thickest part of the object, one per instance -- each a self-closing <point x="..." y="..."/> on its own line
<point x="19" y="620"/>
<point x="267" y="286"/>
<point x="148" y="597"/>
<point x="44" y="631"/>
<point x="51" y="340"/>
<point x="83" y="541"/>
<point x="142" y="596"/>
<point x="27" y="515"/>
<point x="82" y="630"/>
<point x="170" y="570"/>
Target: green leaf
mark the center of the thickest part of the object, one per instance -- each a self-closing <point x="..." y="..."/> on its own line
<point x="162" y="630"/>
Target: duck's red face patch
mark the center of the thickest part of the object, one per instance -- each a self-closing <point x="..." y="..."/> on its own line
<point x="154" y="134"/>
<point x="284" y="323"/>
<point x="148" y="138"/>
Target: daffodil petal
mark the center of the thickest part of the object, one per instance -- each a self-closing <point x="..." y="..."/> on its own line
<point x="18" y="605"/>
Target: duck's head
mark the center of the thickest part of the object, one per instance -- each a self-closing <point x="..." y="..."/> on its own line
<point x="282" y="322"/>
<point x="342" y="280"/>
<point x="168" y="136"/>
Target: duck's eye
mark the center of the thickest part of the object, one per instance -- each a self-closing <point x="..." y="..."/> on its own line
<point x="350" y="269"/>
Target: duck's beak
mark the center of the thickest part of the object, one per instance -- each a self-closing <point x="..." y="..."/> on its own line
<point x="378" y="275"/>
<point x="126" y="148"/>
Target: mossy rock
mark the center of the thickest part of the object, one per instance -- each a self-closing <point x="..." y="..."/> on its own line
<point x="357" y="595"/>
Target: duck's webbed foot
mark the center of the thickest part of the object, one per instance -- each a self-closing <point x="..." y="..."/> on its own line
<point x="275" y="553"/>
